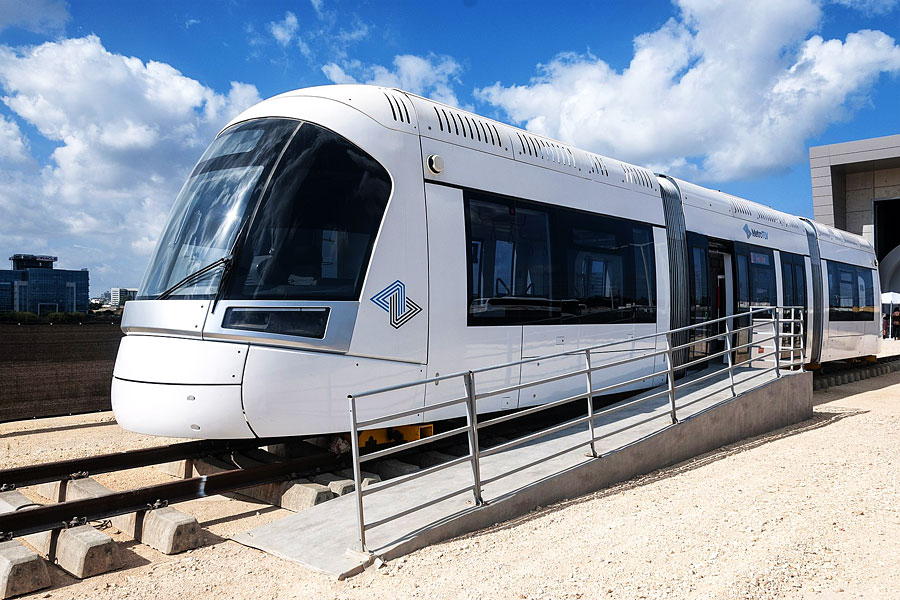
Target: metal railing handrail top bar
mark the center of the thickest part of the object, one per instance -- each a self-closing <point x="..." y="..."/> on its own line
<point x="412" y="444"/>
<point x="407" y="413"/>
<point x="438" y="378"/>
<point x="628" y="340"/>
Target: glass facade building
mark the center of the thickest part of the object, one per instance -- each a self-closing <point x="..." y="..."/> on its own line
<point x="33" y="285"/>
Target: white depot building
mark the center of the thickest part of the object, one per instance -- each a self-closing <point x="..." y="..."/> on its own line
<point x="119" y="296"/>
<point x="856" y="187"/>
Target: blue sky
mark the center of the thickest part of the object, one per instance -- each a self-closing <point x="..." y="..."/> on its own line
<point x="105" y="106"/>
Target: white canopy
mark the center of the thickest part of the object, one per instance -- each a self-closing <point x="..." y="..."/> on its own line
<point x="890" y="298"/>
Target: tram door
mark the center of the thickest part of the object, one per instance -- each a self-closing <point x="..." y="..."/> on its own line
<point x="701" y="297"/>
<point x="755" y="287"/>
<point x="711" y="294"/>
<point x="723" y="293"/>
<point x="793" y="285"/>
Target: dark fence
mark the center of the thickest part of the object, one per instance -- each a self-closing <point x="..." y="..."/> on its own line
<point x="50" y="370"/>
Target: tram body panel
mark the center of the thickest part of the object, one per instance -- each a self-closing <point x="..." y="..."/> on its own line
<point x="186" y="411"/>
<point x="289" y="392"/>
<point x="182" y="319"/>
<point x="472" y="169"/>
<point x="860" y="336"/>
<point x="453" y="345"/>
<point x="172" y="360"/>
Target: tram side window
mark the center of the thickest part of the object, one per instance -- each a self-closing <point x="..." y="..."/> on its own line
<point x="743" y="281"/>
<point x="509" y="257"/>
<point x="851" y="292"/>
<point x="609" y="268"/>
<point x="762" y="278"/>
<point x="537" y="264"/>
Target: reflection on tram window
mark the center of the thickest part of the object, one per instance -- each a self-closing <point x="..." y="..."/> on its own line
<point x="851" y="292"/>
<point x="756" y="276"/>
<point x="313" y="233"/>
<point x="536" y="264"/>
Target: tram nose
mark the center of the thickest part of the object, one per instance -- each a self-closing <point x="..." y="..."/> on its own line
<point x="179" y="387"/>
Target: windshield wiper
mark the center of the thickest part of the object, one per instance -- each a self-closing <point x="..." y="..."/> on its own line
<point x="225" y="260"/>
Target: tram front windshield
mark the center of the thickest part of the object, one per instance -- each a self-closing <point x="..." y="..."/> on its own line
<point x="297" y="205"/>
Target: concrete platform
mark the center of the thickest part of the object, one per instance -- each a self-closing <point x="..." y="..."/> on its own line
<point x="642" y="439"/>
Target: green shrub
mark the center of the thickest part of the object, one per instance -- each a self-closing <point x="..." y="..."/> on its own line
<point x="19" y="317"/>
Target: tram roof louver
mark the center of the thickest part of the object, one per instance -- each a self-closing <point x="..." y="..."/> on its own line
<point x="452" y="122"/>
<point x="399" y="109"/>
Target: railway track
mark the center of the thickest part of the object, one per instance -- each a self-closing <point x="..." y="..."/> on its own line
<point x="244" y="473"/>
<point x="214" y="467"/>
<point x="62" y="533"/>
<point x="835" y="374"/>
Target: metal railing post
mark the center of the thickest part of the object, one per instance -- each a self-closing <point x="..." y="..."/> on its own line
<point x="357" y="474"/>
<point x="777" y="322"/>
<point x="802" y="341"/>
<point x="728" y="352"/>
<point x="590" y="400"/>
<point x="472" y="424"/>
<point x="793" y="335"/>
<point x="670" y="376"/>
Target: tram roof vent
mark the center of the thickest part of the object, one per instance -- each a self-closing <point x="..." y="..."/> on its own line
<point x="767" y="214"/>
<point x="399" y="109"/>
<point x="544" y="149"/>
<point x="638" y="176"/>
<point x="741" y="207"/>
<point x="467" y="126"/>
<point x="597" y="165"/>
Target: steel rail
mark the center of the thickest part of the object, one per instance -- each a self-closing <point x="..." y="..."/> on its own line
<point x="78" y="512"/>
<point x="76" y="468"/>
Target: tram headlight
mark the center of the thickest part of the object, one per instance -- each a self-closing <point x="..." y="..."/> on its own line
<point x="309" y="322"/>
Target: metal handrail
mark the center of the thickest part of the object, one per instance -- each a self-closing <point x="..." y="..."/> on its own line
<point x="515" y="363"/>
<point x="781" y="318"/>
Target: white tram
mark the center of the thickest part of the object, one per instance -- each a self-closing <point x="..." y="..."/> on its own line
<point x="342" y="238"/>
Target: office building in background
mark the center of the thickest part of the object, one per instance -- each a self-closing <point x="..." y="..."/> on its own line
<point x="33" y="285"/>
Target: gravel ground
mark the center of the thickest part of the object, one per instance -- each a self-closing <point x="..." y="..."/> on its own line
<point x="810" y="511"/>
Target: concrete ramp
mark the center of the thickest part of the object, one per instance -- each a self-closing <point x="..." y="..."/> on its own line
<point x="643" y="439"/>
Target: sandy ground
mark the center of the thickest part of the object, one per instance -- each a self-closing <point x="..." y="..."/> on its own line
<point x="810" y="511"/>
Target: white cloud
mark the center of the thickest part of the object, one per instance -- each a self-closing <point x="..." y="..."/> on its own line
<point x="870" y="7"/>
<point x="727" y="90"/>
<point x="432" y="76"/>
<point x="285" y="31"/>
<point x="13" y="145"/>
<point x="320" y="39"/>
<point x="122" y="154"/>
<point x="318" y="6"/>
<point x="38" y="16"/>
